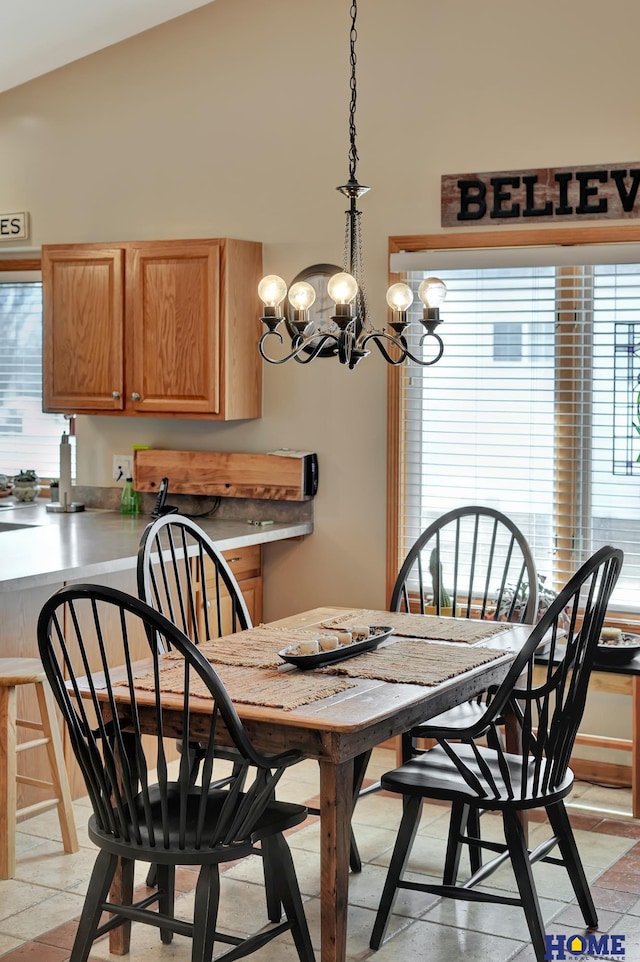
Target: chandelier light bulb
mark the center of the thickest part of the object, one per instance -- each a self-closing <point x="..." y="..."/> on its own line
<point x="301" y="296"/>
<point x="342" y="288"/>
<point x="432" y="291"/>
<point x="272" y="290"/>
<point x="399" y="297"/>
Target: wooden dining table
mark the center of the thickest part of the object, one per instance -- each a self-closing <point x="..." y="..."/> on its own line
<point x="335" y="730"/>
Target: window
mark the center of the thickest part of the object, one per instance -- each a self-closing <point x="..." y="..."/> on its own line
<point x="521" y="411"/>
<point x="28" y="438"/>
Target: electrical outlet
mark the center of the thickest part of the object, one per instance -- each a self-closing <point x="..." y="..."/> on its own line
<point x="122" y="467"/>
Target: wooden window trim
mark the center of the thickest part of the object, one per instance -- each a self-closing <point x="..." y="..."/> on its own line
<point x="478" y="240"/>
<point x="26" y="264"/>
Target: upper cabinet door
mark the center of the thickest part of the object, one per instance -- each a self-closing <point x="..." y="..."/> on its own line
<point x="83" y="351"/>
<point x="173" y="339"/>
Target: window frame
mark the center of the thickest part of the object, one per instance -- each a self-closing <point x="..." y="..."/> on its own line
<point x="15" y="264"/>
<point x="478" y="240"/>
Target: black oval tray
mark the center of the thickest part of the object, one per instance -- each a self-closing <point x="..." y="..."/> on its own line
<point x="322" y="658"/>
<point x="619" y="654"/>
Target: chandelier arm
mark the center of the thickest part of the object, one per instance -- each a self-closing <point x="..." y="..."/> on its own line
<point x="401" y="344"/>
<point x="440" y="343"/>
<point x="313" y="352"/>
<point x="298" y="346"/>
<point x="377" y="338"/>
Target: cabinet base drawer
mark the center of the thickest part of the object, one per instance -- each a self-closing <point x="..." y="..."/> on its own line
<point x="245" y="562"/>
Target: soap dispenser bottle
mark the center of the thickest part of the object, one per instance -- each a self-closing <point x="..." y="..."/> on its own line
<point x="64" y="486"/>
<point x="129" y="499"/>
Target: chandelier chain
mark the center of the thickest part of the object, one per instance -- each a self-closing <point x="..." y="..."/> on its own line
<point x="353" y="36"/>
<point x="362" y="292"/>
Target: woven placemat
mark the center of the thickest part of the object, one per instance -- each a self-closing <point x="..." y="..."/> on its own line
<point x="248" y="685"/>
<point x="413" y="663"/>
<point x="432" y="627"/>
<point x="253" y="648"/>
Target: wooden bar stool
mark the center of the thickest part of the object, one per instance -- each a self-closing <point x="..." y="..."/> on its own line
<point x="29" y="671"/>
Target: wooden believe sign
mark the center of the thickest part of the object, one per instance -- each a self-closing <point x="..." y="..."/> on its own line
<point x="548" y="194"/>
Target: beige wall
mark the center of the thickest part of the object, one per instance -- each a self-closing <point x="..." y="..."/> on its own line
<point x="231" y="121"/>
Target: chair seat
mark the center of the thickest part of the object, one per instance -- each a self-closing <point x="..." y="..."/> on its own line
<point x="435" y="775"/>
<point x="277" y="817"/>
<point x="20" y="671"/>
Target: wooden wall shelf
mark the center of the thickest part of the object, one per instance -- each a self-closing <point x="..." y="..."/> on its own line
<point x="217" y="473"/>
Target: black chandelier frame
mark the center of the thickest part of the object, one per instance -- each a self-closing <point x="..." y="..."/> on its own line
<point x="353" y="331"/>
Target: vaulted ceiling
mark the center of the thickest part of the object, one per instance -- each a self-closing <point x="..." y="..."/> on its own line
<point x="37" y="36"/>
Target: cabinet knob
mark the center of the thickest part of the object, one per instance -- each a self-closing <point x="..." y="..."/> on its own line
<point x="233" y="560"/>
<point x="115" y="395"/>
<point x="135" y="396"/>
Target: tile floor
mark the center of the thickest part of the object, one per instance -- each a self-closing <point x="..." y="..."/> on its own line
<point x="39" y="906"/>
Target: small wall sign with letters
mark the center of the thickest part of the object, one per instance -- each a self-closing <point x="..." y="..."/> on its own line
<point x="14" y="226"/>
<point x="555" y="194"/>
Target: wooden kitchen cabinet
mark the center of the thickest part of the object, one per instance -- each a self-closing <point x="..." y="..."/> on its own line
<point x="153" y="328"/>
<point x="246" y="565"/>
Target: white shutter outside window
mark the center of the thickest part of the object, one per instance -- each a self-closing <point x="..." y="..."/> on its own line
<point x="29" y="439"/>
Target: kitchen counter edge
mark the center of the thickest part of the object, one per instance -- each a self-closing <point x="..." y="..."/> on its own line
<point x="52" y="549"/>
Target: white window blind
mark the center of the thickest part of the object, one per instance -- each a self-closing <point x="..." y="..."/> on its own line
<point x="28" y="438"/>
<point x="531" y="410"/>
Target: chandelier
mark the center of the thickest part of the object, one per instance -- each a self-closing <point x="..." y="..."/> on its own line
<point x="349" y="332"/>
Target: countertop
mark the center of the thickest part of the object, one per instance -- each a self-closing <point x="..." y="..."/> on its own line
<point x="52" y="548"/>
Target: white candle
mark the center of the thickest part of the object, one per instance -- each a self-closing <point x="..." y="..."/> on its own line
<point x="328" y="642"/>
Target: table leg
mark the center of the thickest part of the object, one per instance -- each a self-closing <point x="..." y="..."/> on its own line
<point x="122" y="894"/>
<point x="336" y="787"/>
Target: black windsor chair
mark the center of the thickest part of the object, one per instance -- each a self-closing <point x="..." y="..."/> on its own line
<point x="172" y="586"/>
<point x="472" y="776"/>
<point x="472" y="562"/>
<point x="139" y="812"/>
<point x="177" y="563"/>
<point x="183" y="575"/>
<point x="475" y="562"/>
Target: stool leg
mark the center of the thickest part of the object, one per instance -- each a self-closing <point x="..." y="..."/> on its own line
<point x="8" y="788"/>
<point x="58" y="769"/>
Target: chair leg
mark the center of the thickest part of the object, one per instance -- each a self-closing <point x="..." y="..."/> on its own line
<point x="205" y="913"/>
<point x="271" y="870"/>
<point x="559" y="821"/>
<point x="458" y="822"/>
<point x="278" y="852"/>
<point x="8" y="772"/>
<point x="101" y="878"/>
<point x="166" y="878"/>
<point x="57" y="767"/>
<point x="412" y="811"/>
<point x="517" y="845"/>
<point x="473" y="830"/>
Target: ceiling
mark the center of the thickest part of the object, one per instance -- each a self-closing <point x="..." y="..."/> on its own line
<point x="37" y="36"/>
